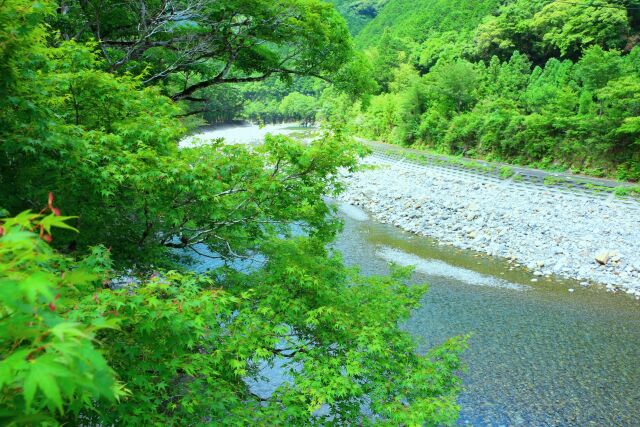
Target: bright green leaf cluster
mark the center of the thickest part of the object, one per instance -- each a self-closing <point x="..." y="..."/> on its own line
<point x="49" y="364"/>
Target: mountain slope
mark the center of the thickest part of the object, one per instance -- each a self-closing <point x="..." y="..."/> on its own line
<point x="358" y="13"/>
<point x="416" y="19"/>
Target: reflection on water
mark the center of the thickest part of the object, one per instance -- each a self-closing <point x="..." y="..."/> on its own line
<point x="201" y="260"/>
<point x="542" y="357"/>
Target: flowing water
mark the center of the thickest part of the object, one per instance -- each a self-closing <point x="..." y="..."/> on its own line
<point x="539" y="354"/>
<point x="544" y="353"/>
<point x="240" y="134"/>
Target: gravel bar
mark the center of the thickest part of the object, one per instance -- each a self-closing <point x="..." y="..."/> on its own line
<point x="571" y="234"/>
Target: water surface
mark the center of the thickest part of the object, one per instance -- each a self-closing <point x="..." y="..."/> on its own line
<point x="248" y="133"/>
<point x="539" y="355"/>
<point x="545" y="353"/>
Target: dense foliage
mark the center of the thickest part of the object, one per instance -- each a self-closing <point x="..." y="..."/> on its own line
<point x="547" y="83"/>
<point x="49" y="366"/>
<point x="127" y="335"/>
<point x="421" y="19"/>
<point x="191" y="45"/>
<point x="266" y="102"/>
<point x="185" y="348"/>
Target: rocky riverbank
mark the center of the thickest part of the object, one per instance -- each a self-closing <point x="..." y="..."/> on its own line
<point x="592" y="239"/>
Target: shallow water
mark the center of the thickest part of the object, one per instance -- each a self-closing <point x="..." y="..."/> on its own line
<point x="539" y="354"/>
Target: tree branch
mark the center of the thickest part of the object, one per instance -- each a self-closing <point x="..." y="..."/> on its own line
<point x="214" y="81"/>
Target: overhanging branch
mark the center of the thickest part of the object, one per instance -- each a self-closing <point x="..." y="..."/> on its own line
<point x="214" y="81"/>
<point x="219" y="79"/>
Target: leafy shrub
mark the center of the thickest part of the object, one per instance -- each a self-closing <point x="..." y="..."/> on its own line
<point x="50" y="367"/>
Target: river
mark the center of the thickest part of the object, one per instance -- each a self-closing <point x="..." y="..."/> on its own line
<point x="546" y="353"/>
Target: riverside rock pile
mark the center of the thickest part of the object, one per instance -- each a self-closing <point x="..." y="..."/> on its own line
<point x="593" y="240"/>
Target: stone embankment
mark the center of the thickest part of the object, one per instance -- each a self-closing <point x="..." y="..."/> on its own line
<point x="572" y="234"/>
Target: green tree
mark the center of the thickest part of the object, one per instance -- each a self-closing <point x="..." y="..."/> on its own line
<point x="619" y="104"/>
<point x="178" y="348"/>
<point x="597" y="67"/>
<point x="109" y="148"/>
<point x="187" y="348"/>
<point x="569" y="28"/>
<point x="224" y="104"/>
<point x="388" y="54"/>
<point x="297" y="106"/>
<point x="192" y="45"/>
<point x="509" y="30"/>
<point x="454" y="85"/>
<point x="447" y="46"/>
<point x="49" y="364"/>
<point x="506" y="79"/>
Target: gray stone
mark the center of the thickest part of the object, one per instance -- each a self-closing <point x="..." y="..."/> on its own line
<point x="528" y="225"/>
<point x="602" y="257"/>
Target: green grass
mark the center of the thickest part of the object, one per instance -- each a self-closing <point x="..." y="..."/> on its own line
<point x="627" y="191"/>
<point x="553" y="180"/>
<point x="598" y="188"/>
<point x="506" y="172"/>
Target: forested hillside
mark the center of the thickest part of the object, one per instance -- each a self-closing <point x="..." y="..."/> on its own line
<point x="419" y="20"/>
<point x="358" y="13"/>
<point x="546" y="83"/>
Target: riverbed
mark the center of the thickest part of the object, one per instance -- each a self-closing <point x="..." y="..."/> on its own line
<point x="542" y="353"/>
<point x="594" y="238"/>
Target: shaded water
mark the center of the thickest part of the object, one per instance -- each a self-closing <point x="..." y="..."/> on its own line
<point x="539" y="355"/>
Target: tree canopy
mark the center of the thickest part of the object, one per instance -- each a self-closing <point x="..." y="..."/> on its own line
<point x="103" y="213"/>
<point x="193" y="44"/>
